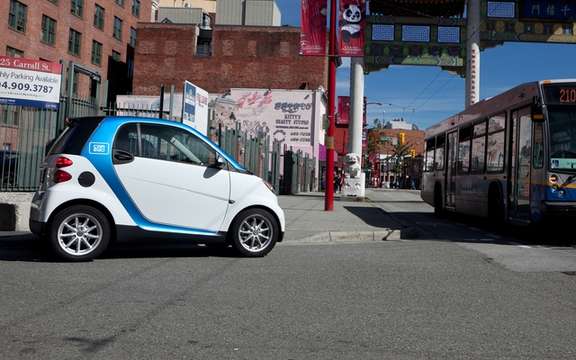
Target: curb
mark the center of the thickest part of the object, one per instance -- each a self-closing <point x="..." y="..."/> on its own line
<point x="357" y="236"/>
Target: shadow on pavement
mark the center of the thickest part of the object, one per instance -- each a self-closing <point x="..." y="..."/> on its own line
<point x="31" y="249"/>
<point x="374" y="217"/>
<point x="464" y="228"/>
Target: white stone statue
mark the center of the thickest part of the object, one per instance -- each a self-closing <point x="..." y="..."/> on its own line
<point x="353" y="163"/>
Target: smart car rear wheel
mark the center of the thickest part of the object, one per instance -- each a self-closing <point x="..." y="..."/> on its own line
<point x="80" y="233"/>
<point x="255" y="233"/>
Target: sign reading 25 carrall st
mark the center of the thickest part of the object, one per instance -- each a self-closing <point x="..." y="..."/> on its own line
<point x="27" y="82"/>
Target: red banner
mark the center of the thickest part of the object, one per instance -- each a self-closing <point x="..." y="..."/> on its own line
<point x="313" y="32"/>
<point x="343" y="110"/>
<point x="343" y="117"/>
<point x="352" y="23"/>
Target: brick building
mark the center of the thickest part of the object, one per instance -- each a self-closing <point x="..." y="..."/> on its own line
<point x="239" y="57"/>
<point x="381" y="145"/>
<point x="385" y="140"/>
<point x="86" y="32"/>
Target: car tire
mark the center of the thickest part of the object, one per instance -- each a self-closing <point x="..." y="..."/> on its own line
<point x="254" y="233"/>
<point x="79" y="233"/>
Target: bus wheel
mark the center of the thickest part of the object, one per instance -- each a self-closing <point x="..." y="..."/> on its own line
<point x="438" y="206"/>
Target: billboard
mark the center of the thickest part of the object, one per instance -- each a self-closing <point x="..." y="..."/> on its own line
<point x="27" y="82"/>
<point x="313" y="32"/>
<point x="352" y="23"/>
<point x="287" y="116"/>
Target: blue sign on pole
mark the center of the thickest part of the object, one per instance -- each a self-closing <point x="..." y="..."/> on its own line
<point x="189" y="105"/>
<point x="548" y="9"/>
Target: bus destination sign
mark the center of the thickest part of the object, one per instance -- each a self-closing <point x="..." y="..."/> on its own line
<point x="560" y="94"/>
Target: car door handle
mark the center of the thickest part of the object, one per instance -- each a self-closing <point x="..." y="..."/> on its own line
<point x="122" y="157"/>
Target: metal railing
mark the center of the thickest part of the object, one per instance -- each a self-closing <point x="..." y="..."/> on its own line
<point x="25" y="136"/>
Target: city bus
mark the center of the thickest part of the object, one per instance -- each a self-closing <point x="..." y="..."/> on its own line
<point x="511" y="157"/>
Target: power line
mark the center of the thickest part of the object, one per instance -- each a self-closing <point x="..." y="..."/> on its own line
<point x="425" y="88"/>
<point x="435" y="93"/>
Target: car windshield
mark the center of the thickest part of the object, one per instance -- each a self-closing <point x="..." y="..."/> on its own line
<point x="562" y="137"/>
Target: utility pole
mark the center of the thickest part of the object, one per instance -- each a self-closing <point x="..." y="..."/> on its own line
<point x="332" y="57"/>
<point x="473" y="53"/>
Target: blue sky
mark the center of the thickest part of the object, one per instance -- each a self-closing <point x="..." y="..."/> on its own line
<point x="436" y="94"/>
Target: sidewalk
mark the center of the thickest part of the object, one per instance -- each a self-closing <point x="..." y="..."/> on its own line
<point x="307" y="222"/>
<point x="350" y="221"/>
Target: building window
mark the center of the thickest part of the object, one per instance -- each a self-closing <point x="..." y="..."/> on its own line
<point x="17" y="16"/>
<point x="136" y="8"/>
<point x="74" y="42"/>
<point x="117" y="28"/>
<point x="48" y="30"/>
<point x="13" y="52"/>
<point x="96" y="52"/>
<point x="116" y="55"/>
<point x="120" y="2"/>
<point x="99" y="17"/>
<point x="76" y="7"/>
<point x="132" y="37"/>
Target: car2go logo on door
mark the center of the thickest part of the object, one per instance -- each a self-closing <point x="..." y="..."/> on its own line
<point x="98" y="148"/>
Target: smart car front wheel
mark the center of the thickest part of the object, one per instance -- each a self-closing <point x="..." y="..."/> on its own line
<point x="254" y="232"/>
<point x="80" y="233"/>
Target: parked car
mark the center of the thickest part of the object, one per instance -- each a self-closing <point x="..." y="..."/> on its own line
<point x="121" y="178"/>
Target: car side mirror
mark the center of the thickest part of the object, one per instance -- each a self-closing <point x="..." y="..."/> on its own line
<point x="219" y="162"/>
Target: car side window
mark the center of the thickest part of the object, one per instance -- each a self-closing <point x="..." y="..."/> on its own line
<point x="170" y="143"/>
<point x="127" y="139"/>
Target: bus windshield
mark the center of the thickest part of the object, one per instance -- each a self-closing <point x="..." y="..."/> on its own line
<point x="562" y="137"/>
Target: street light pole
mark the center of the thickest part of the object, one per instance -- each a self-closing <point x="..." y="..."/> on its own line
<point x="329" y="195"/>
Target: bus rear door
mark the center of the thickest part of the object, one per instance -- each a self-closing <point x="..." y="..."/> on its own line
<point x="450" y="185"/>
<point x="519" y="160"/>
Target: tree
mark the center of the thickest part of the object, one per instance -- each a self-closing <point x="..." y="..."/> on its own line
<point x="399" y="152"/>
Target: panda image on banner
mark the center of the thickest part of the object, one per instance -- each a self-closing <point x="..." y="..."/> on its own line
<point x="350" y="25"/>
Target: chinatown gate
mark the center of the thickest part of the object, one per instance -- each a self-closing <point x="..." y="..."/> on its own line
<point x="437" y="33"/>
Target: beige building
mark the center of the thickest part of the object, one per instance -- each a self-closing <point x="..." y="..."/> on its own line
<point x="208" y="6"/>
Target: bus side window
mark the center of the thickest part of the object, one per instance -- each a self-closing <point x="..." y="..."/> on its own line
<point x="465" y="137"/>
<point x="538" y="150"/>
<point x="495" y="146"/>
<point x="439" y="157"/>
<point x="479" y="148"/>
<point x="429" y="162"/>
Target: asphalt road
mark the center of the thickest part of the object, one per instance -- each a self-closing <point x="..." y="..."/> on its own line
<point x="441" y="297"/>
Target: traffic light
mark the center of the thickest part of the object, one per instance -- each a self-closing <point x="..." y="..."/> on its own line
<point x="402" y="138"/>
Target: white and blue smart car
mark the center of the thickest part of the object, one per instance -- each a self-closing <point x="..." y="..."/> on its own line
<point x="119" y="178"/>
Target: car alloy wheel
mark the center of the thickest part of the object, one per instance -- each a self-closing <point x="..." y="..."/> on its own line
<point x="255" y="233"/>
<point x="79" y="234"/>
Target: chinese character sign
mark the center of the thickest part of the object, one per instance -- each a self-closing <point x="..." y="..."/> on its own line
<point x="548" y="9"/>
<point x="313" y="33"/>
<point x="352" y="23"/>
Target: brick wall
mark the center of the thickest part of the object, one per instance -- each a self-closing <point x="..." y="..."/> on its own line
<point x="242" y="57"/>
<point x="30" y="41"/>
